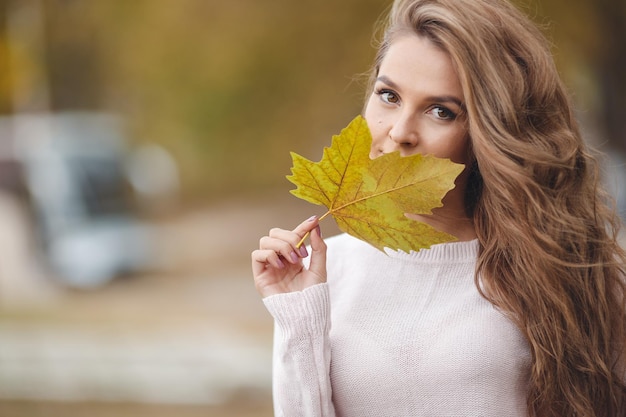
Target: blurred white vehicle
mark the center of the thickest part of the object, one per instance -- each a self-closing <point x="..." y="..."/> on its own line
<point x="75" y="171"/>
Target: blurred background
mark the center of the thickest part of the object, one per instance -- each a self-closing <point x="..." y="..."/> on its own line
<point x="143" y="151"/>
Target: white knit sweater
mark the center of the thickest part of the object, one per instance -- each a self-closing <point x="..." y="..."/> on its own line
<point x="410" y="336"/>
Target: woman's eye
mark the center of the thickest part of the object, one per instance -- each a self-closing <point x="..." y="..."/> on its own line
<point x="443" y="113"/>
<point x="388" y="96"/>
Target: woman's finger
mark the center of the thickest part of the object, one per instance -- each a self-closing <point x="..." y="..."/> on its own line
<point x="303" y="230"/>
<point x="261" y="258"/>
<point x="281" y="246"/>
<point x="293" y="238"/>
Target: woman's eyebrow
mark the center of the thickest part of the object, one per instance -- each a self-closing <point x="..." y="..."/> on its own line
<point x="438" y="99"/>
<point x="447" y="99"/>
<point x="386" y="80"/>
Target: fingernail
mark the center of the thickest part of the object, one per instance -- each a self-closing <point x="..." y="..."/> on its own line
<point x="319" y="231"/>
<point x="280" y="264"/>
<point x="310" y="219"/>
<point x="294" y="256"/>
<point x="303" y="252"/>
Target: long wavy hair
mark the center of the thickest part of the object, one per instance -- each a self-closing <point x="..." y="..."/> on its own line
<point x="549" y="254"/>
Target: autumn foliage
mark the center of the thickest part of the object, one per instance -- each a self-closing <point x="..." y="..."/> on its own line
<point x="368" y="198"/>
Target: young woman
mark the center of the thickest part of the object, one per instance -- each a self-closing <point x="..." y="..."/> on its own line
<point x="525" y="314"/>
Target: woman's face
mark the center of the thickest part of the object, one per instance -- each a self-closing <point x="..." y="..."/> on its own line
<point x="417" y="103"/>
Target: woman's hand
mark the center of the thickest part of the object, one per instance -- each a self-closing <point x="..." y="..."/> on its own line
<point x="277" y="264"/>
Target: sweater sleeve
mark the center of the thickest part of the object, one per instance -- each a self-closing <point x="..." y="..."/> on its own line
<point x="301" y="358"/>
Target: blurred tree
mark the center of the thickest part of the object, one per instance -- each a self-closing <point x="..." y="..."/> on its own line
<point x="5" y="73"/>
<point x="590" y="46"/>
<point x="231" y="87"/>
<point x="611" y="69"/>
<point x="24" y="55"/>
<point x="73" y="55"/>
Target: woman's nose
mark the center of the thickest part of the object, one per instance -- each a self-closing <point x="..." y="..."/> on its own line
<point x="404" y="132"/>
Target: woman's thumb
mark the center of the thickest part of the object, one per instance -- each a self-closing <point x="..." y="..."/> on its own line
<point x="318" y="253"/>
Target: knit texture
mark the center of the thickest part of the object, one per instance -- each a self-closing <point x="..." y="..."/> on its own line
<point x="410" y="336"/>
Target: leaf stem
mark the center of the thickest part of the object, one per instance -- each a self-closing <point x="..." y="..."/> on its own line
<point x="306" y="235"/>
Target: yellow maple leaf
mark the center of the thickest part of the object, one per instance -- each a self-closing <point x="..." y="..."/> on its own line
<point x="368" y="198"/>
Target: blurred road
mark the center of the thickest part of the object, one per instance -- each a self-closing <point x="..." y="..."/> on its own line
<point x="191" y="338"/>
